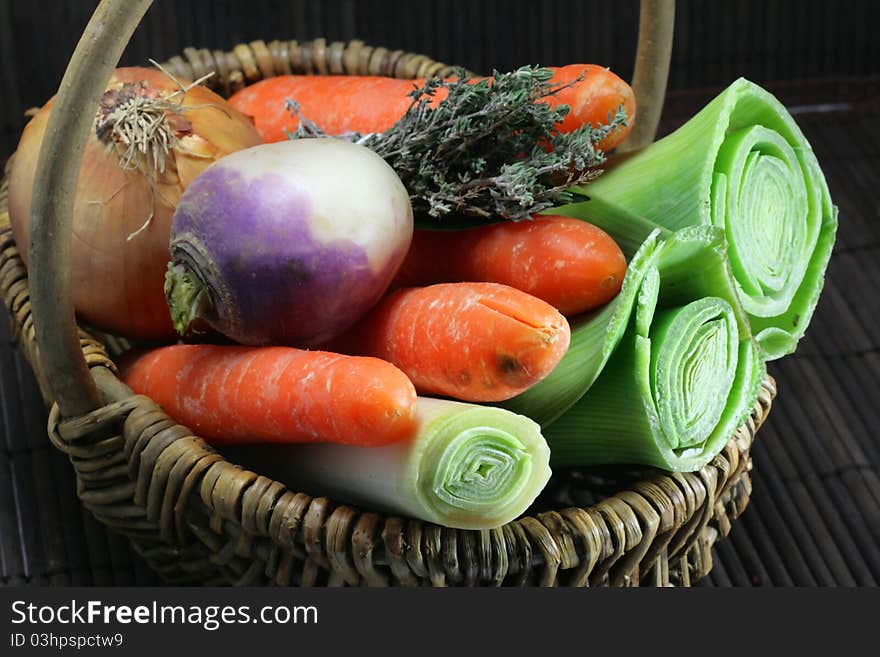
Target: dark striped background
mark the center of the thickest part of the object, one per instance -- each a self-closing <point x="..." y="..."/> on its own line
<point x="716" y="40"/>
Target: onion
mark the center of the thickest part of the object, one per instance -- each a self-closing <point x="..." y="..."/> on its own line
<point x="152" y="136"/>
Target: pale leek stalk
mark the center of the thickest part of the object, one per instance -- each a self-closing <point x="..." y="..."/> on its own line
<point x="670" y="365"/>
<point x="743" y="165"/>
<point x="468" y="467"/>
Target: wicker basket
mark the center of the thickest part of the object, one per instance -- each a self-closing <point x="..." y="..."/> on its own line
<point x="199" y="519"/>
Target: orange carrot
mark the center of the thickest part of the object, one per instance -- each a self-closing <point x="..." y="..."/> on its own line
<point x="340" y="103"/>
<point x="571" y="264"/>
<point x="471" y="341"/>
<point x="593" y="100"/>
<point x="337" y="103"/>
<point x="235" y="395"/>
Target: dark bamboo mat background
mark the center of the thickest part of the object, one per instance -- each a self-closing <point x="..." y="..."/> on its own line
<point x="814" y="518"/>
<point x="46" y="538"/>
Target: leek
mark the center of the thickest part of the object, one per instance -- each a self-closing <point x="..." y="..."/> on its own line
<point x="467" y="467"/>
<point x="593" y="339"/>
<point x="743" y="165"/>
<point x="670" y="365"/>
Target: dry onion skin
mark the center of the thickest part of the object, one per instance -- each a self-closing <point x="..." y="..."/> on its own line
<point x="153" y="134"/>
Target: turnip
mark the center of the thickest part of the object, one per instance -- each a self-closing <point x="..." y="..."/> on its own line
<point x="287" y="243"/>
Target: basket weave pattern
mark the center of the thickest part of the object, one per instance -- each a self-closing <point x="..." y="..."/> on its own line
<point x="199" y="519"/>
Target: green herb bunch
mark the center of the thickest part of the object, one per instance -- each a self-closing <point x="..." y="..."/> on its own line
<point x="490" y="150"/>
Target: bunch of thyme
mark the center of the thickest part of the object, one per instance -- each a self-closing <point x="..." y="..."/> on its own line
<point x="491" y="149"/>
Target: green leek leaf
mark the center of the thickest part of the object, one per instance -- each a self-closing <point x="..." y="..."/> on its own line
<point x="743" y="165"/>
<point x="671" y="366"/>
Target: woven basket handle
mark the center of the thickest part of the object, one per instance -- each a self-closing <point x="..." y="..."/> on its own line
<point x="96" y="56"/>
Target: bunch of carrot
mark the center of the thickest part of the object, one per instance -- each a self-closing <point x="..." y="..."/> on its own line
<point x="477" y="315"/>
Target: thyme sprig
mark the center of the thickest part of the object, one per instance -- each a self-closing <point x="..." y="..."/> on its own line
<point x="491" y="149"/>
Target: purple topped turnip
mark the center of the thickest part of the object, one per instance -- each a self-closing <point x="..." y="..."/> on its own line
<point x="287" y="243"/>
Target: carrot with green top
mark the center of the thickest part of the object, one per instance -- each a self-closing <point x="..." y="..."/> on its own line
<point x="237" y="395"/>
<point x="571" y="264"/>
<point x="477" y="342"/>
<point x="365" y="104"/>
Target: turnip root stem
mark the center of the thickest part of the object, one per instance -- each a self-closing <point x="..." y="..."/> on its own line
<point x="188" y="298"/>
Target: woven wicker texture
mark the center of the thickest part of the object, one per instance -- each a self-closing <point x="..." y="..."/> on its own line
<point x="197" y="518"/>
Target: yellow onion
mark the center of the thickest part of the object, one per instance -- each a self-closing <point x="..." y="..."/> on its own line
<point x="152" y="136"/>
